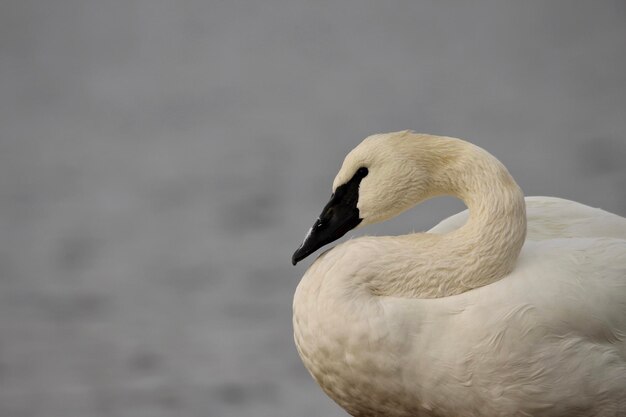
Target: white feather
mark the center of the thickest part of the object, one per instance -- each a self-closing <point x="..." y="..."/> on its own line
<point x="454" y="322"/>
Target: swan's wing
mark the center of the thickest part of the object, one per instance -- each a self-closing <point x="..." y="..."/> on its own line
<point x="550" y="336"/>
<point x="551" y="217"/>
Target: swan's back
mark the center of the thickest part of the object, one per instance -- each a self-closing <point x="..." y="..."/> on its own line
<point x="551" y="217"/>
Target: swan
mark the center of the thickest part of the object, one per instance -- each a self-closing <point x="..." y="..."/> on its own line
<point x="515" y="307"/>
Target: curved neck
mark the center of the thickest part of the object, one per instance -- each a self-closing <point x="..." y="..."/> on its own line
<point x="481" y="252"/>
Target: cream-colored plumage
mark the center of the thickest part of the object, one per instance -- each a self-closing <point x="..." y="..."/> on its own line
<point x="472" y="318"/>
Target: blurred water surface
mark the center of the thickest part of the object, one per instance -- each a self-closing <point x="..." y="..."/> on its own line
<point x="160" y="161"/>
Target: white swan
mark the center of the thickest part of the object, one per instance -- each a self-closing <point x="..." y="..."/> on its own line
<point x="472" y="318"/>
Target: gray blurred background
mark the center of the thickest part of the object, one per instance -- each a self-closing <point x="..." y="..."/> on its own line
<point x="161" y="160"/>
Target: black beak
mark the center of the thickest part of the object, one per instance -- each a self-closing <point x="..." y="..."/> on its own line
<point x="338" y="217"/>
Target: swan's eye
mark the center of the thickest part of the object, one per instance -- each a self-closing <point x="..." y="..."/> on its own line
<point x="362" y="172"/>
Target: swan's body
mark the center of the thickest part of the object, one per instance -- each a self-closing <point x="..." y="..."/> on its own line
<point x="471" y="319"/>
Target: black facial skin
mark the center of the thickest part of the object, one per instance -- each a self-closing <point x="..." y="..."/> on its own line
<point x="338" y="217"/>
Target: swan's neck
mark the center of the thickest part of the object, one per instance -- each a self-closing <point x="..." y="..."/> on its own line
<point x="482" y="251"/>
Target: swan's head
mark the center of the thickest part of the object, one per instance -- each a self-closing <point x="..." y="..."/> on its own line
<point x="382" y="177"/>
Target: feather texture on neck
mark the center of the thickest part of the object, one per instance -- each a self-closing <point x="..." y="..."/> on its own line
<point x="426" y="265"/>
